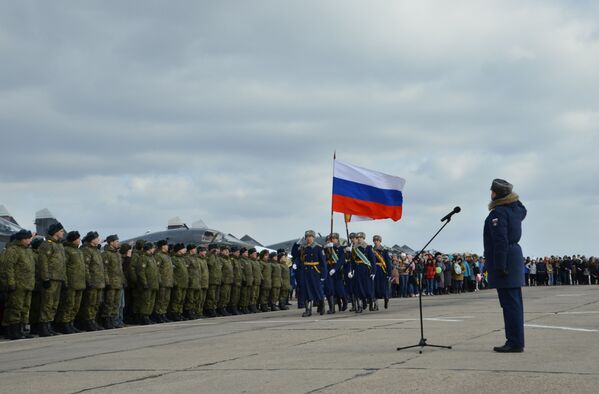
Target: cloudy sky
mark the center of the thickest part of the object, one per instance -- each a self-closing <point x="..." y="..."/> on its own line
<point x="120" y="115"/>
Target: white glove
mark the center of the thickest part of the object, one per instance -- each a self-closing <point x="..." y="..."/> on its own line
<point x="372" y="276"/>
<point x="332" y="272"/>
<point x="351" y="274"/>
<point x="294" y="266"/>
<point x="329" y="245"/>
<point x="322" y="279"/>
<point x="348" y="248"/>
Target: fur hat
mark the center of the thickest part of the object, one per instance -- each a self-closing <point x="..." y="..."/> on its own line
<point x="54" y="228"/>
<point x="72" y="236"/>
<point x="501" y="187"/>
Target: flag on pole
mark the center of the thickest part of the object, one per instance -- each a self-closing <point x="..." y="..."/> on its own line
<point x="364" y="193"/>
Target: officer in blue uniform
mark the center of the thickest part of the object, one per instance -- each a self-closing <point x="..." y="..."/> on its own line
<point x="505" y="261"/>
<point x="364" y="273"/>
<point x="312" y="265"/>
<point x="334" y="289"/>
<point x="383" y="272"/>
<point x="295" y="260"/>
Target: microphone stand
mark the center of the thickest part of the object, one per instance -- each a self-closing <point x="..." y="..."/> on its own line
<point x="422" y="342"/>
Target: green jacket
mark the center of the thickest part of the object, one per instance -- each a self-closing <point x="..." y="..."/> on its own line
<point x="18" y="265"/>
<point x="165" y="269"/>
<point x="285" y="276"/>
<point x="266" y="274"/>
<point x="75" y="266"/>
<point x="204" y="273"/>
<point x="193" y="270"/>
<point x="131" y="272"/>
<point x="237" y="271"/>
<point x="180" y="274"/>
<point x="147" y="272"/>
<point x="51" y="262"/>
<point x="215" y="269"/>
<point x="247" y="273"/>
<point x="95" y="277"/>
<point x="113" y="266"/>
<point x="257" y="271"/>
<point x="228" y="274"/>
<point x="276" y="274"/>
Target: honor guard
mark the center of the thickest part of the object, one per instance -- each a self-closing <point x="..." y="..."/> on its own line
<point x="348" y="271"/>
<point x="364" y="272"/>
<point x="383" y="272"/>
<point x="333" y="286"/>
<point x="312" y="265"/>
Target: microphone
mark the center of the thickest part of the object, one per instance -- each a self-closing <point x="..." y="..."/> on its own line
<point x="450" y="214"/>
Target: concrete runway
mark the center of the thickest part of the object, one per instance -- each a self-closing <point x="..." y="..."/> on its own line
<point x="279" y="352"/>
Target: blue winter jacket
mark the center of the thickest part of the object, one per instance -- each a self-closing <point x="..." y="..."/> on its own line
<point x="502" y="232"/>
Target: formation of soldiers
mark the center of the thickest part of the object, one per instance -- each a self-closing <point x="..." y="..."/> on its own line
<point x="358" y="274"/>
<point x="67" y="284"/>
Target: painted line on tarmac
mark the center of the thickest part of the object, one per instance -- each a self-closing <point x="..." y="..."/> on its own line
<point x="578" y="313"/>
<point x="569" y="295"/>
<point x="561" y="328"/>
<point x="441" y="319"/>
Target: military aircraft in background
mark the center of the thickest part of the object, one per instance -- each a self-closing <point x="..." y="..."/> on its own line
<point x="8" y="226"/>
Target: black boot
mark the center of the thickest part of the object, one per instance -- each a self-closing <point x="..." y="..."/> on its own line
<point x="107" y="323"/>
<point x="234" y="311"/>
<point x="253" y="308"/>
<point x="264" y="308"/>
<point x="53" y="332"/>
<point x="210" y="313"/>
<point x="321" y="306"/>
<point x="364" y="304"/>
<point x="343" y="304"/>
<point x="165" y="318"/>
<point x="283" y="306"/>
<point x="96" y="325"/>
<point x="338" y="302"/>
<point x="34" y="328"/>
<point x="24" y="332"/>
<point x="14" y="332"/>
<point x="352" y="300"/>
<point x="375" y="305"/>
<point x="386" y="303"/>
<point x="274" y="308"/>
<point x="308" y="311"/>
<point x="44" y="330"/>
<point x="331" y="303"/>
<point x="145" y="320"/>
<point x="73" y="328"/>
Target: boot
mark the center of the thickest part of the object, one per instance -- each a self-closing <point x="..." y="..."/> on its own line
<point x="24" y="332"/>
<point x="253" y="308"/>
<point x="34" y="328"/>
<point x="145" y="320"/>
<point x="386" y="303"/>
<point x="180" y="317"/>
<point x="87" y="325"/>
<point x="14" y="332"/>
<point x="338" y="301"/>
<point x="210" y="313"/>
<point x="321" y="306"/>
<point x="73" y="328"/>
<point x="331" y="303"/>
<point x="353" y="304"/>
<point x="358" y="308"/>
<point x="165" y="318"/>
<point x="107" y="323"/>
<point x="308" y="311"/>
<point x="343" y="304"/>
<point x="283" y="306"/>
<point x="274" y="308"/>
<point x="44" y="330"/>
<point x="364" y="304"/>
<point x="117" y="324"/>
<point x="264" y="308"/>
<point x="224" y="312"/>
<point x="53" y="332"/>
<point x="375" y="305"/>
<point x="234" y="311"/>
<point x="97" y="326"/>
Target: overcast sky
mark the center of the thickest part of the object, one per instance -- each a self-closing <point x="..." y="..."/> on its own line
<point x="117" y="116"/>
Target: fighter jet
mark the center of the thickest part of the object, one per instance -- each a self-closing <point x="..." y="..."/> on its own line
<point x="8" y="226"/>
<point x="178" y="232"/>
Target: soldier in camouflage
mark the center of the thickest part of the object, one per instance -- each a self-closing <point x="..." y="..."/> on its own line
<point x="237" y="281"/>
<point x="285" y="280"/>
<point x="165" y="271"/>
<point x="113" y="268"/>
<point x="180" y="283"/>
<point x="275" y="290"/>
<point x="266" y="284"/>
<point x="215" y="279"/>
<point x="147" y="283"/>
<point x="95" y="279"/>
<point x="204" y="279"/>
<point x="192" y="296"/>
<point x="257" y="271"/>
<point x="70" y="297"/>
<point x="227" y="281"/>
<point x="247" y="281"/>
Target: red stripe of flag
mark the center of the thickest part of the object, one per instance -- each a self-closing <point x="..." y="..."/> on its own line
<point x="364" y="208"/>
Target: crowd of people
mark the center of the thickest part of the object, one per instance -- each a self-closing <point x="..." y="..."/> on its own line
<point x="65" y="283"/>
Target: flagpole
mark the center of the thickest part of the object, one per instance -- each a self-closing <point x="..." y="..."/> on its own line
<point x="332" y="183"/>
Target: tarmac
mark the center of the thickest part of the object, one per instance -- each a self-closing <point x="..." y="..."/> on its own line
<point x="280" y="352"/>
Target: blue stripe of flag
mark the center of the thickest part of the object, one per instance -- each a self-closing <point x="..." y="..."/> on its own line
<point x="363" y="192"/>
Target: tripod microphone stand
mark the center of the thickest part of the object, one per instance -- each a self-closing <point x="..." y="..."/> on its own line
<point x="422" y="342"/>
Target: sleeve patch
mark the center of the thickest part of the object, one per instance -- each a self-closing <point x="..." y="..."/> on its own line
<point x="495" y="222"/>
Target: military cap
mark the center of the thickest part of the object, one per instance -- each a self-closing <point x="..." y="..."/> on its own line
<point x="23" y="234"/>
<point x="263" y="253"/>
<point x="212" y="246"/>
<point x="360" y="235"/>
<point x="148" y="246"/>
<point x="377" y="238"/>
<point x="281" y="252"/>
<point x="309" y="233"/>
<point x="72" y="236"/>
<point x="13" y="237"/>
<point x="112" y="238"/>
<point x="234" y="249"/>
<point x="201" y="248"/>
<point x="54" y="228"/>
<point x="272" y="254"/>
<point x="178" y="247"/>
<point x="243" y="250"/>
<point x="161" y="243"/>
<point x="335" y="235"/>
<point x="352" y="235"/>
<point x="124" y="248"/>
<point x="252" y="250"/>
<point x="224" y="247"/>
<point x="191" y="246"/>
<point x="90" y="236"/>
<point x="501" y="187"/>
<point x="36" y="243"/>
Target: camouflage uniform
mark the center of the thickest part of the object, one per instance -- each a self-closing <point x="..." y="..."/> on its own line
<point x="113" y="267"/>
<point x="51" y="272"/>
<point x="192" y="297"/>
<point x="70" y="297"/>
<point x="163" y="298"/>
<point x="247" y="284"/>
<point x="18" y="279"/>
<point x="266" y="285"/>
<point x="257" y="271"/>
<point x="236" y="288"/>
<point x="275" y="291"/>
<point x="180" y="283"/>
<point x="95" y="279"/>
<point x="285" y="284"/>
<point x="147" y="283"/>
<point x="204" y="283"/>
<point x="225" y="289"/>
<point x="214" y="282"/>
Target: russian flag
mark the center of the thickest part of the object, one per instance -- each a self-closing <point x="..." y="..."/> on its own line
<point x="367" y="193"/>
